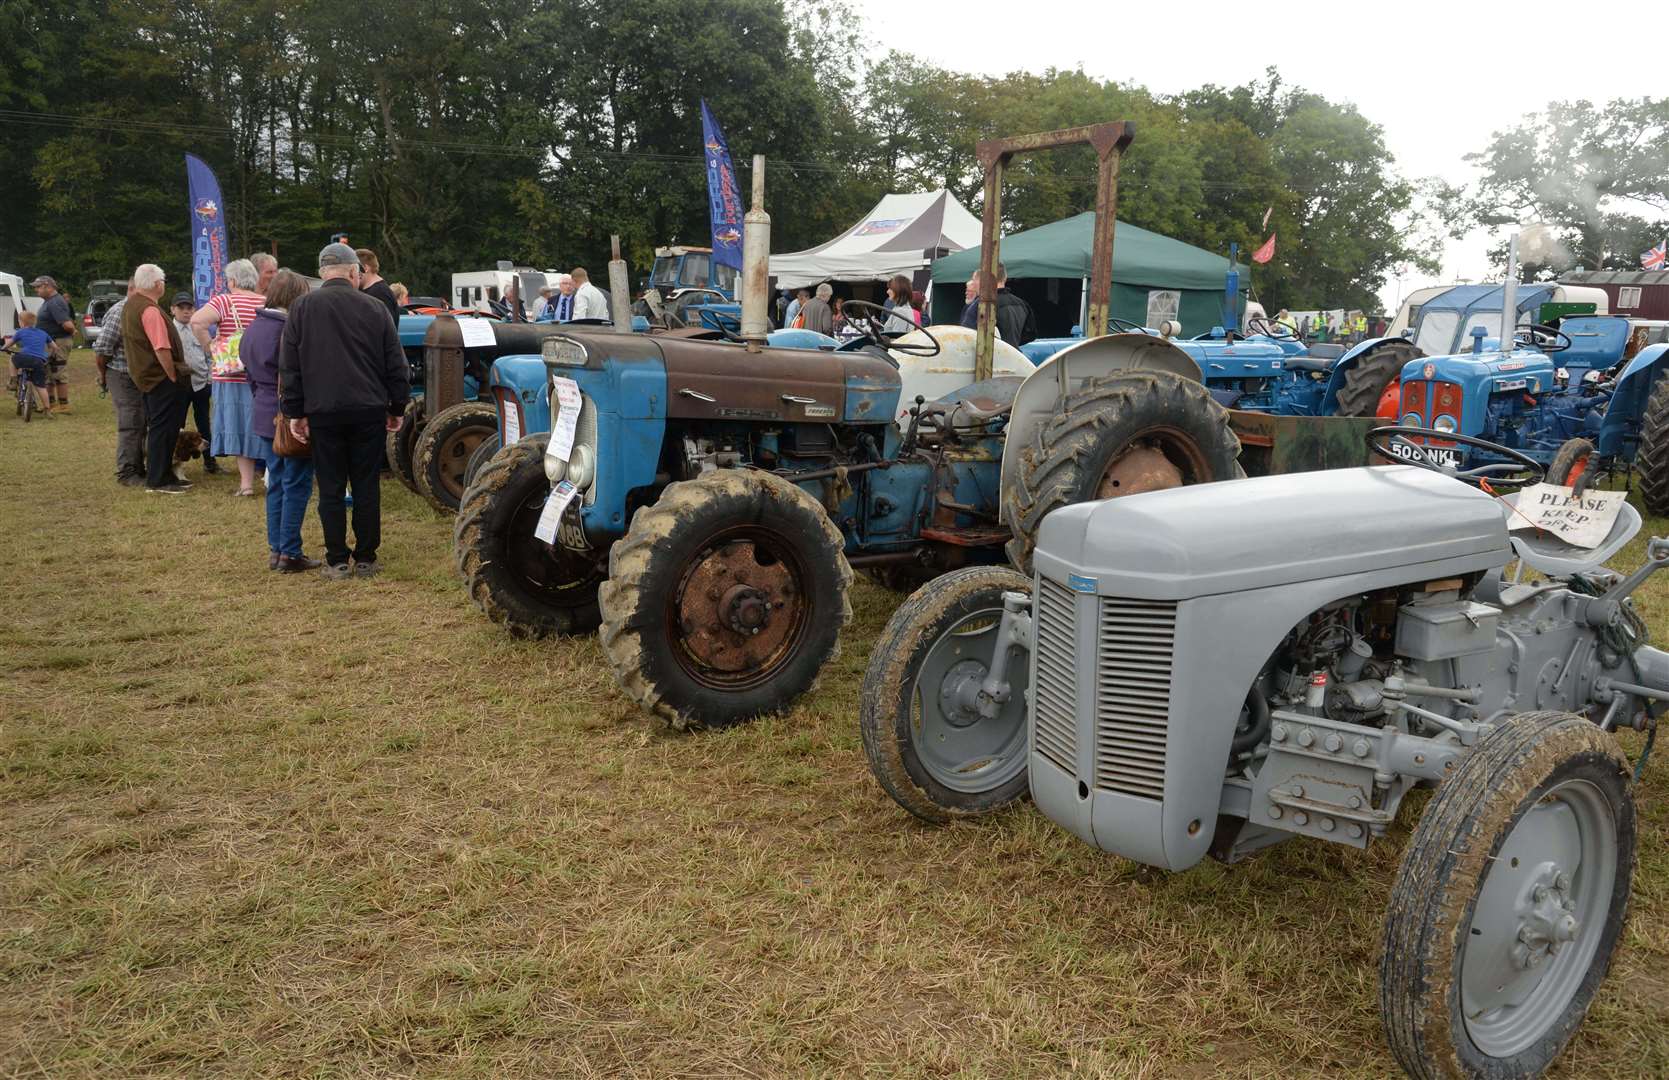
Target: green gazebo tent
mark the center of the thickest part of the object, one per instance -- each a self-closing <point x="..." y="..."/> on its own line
<point x="1154" y="277"/>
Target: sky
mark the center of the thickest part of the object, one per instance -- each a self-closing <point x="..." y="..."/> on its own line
<point x="1439" y="78"/>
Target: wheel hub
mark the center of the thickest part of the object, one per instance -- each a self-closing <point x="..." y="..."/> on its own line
<point x="737" y="607"/>
<point x="1141" y="467"/>
<point x="959" y="693"/>
<point x="1545" y="922"/>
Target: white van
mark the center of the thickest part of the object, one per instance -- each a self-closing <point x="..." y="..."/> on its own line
<point x="15" y="297"/>
<point x="478" y="290"/>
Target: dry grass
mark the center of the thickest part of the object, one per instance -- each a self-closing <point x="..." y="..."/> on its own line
<point x="264" y="826"/>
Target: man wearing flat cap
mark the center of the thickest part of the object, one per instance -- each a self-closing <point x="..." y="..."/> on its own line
<point x="343" y="382"/>
<point x="56" y="318"/>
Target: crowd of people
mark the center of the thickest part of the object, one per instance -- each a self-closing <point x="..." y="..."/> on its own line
<point x="294" y="382"/>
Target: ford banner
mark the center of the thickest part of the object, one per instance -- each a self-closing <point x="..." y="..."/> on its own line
<point x="208" y="231"/>
<point x="724" y="201"/>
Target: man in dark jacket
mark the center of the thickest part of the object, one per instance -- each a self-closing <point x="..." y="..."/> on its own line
<point x="1015" y="322"/>
<point x="343" y="383"/>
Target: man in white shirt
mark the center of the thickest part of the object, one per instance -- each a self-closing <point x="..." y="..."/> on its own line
<point x="589" y="302"/>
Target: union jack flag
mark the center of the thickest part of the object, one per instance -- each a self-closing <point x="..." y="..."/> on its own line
<point x="1656" y="257"/>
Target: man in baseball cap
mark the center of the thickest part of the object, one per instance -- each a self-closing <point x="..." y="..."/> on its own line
<point x="56" y="318"/>
<point x="344" y="383"/>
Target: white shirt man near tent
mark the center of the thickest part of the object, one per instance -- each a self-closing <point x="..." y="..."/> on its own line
<point x="589" y="302"/>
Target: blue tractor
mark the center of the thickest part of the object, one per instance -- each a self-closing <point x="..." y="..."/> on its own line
<point x="1572" y="397"/>
<point x="702" y="503"/>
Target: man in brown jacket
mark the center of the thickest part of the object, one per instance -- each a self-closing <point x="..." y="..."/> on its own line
<point x="156" y="363"/>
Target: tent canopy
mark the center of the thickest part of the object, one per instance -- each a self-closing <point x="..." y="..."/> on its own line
<point x="900" y="235"/>
<point x="1061" y="249"/>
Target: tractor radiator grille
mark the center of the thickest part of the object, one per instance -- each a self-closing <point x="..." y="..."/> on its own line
<point x="1136" y="641"/>
<point x="1055" y="711"/>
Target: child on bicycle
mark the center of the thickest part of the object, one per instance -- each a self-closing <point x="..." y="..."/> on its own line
<point x="29" y="347"/>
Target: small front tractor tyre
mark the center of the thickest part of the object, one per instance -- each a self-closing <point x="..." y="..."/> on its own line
<point x="1121" y="434"/>
<point x="1365" y="382"/>
<point x="927" y="741"/>
<point x="1509" y="902"/>
<point x="531" y="588"/>
<point x="398" y="444"/>
<point x="443" y="449"/>
<point x="1652" y="458"/>
<point x="484" y="453"/>
<point x="725" y="599"/>
<point x="1574" y="460"/>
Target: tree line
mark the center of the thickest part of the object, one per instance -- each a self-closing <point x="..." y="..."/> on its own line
<point x="449" y="135"/>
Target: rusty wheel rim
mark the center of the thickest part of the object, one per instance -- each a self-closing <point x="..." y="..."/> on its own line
<point x="1154" y="460"/>
<point x="740" y="610"/>
<point x="452" y="458"/>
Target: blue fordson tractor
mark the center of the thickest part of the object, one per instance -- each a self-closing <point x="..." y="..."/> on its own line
<point x="1570" y="397"/>
<point x="704" y="502"/>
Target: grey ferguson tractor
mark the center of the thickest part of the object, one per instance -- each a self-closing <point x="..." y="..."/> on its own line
<point x="1218" y="668"/>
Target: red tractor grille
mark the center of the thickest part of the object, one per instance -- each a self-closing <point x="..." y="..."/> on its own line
<point x="1423" y="402"/>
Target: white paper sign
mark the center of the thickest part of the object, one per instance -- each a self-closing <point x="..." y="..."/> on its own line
<point x="561" y="495"/>
<point x="512" y="422"/>
<point x="477" y="332"/>
<point x="1583" y="522"/>
<point x="567" y="417"/>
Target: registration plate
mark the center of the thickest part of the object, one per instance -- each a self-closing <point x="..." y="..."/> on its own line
<point x="1440" y="454"/>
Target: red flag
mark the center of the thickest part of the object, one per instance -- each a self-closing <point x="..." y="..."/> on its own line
<point x="1266" y="252"/>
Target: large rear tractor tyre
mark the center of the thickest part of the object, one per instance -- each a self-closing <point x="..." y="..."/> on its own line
<point x="443" y="449"/>
<point x="1509" y="902"/>
<point x="484" y="453"/>
<point x="935" y="747"/>
<point x="725" y="599"/>
<point x="1652" y="459"/>
<point x="531" y="588"/>
<point x="1121" y="434"/>
<point x="1365" y="382"/>
<point x="398" y="444"/>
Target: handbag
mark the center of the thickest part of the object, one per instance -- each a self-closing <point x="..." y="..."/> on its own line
<point x="225" y="359"/>
<point x="284" y="442"/>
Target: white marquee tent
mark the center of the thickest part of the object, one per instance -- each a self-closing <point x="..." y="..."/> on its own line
<point x="901" y="235"/>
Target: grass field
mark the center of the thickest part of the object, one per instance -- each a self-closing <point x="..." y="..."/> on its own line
<point x="271" y="826"/>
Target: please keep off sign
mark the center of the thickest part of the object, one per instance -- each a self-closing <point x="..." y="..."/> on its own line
<point x="1581" y="522"/>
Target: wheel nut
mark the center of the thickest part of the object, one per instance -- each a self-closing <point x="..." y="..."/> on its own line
<point x="1355" y="831"/>
<point x="1300" y="818"/>
<point x="1327" y="824"/>
<point x="1275" y="811"/>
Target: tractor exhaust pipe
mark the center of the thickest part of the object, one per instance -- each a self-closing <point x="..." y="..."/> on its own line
<point x="756" y="263"/>
<point x="1509" y="296"/>
<point x="619" y="290"/>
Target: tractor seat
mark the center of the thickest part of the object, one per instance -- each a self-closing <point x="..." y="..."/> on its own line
<point x="979" y="403"/>
<point x="1310" y="363"/>
<point x="1326" y="350"/>
<point x="1557" y="559"/>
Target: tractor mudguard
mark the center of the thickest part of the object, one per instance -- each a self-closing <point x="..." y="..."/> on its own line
<point x="1063" y="372"/>
<point x="1335" y="379"/>
<point x="1628" y="399"/>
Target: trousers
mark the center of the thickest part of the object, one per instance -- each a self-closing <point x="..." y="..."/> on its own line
<point x="129" y="403"/>
<point x="165" y="409"/>
<point x="289" y="486"/>
<point x="349" y="455"/>
<point x="200" y="418"/>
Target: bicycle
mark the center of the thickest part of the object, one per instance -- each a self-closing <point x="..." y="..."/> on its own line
<point x="26" y="406"/>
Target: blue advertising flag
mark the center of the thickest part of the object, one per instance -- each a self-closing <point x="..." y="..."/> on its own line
<point x="208" y="231"/>
<point x="723" y="199"/>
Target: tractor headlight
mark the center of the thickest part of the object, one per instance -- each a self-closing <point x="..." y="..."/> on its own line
<point x="1413" y="419"/>
<point x="582" y="466"/>
<point x="564" y="351"/>
<point x="1445" y="423"/>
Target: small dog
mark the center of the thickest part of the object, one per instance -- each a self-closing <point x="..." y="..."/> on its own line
<point x="189" y="445"/>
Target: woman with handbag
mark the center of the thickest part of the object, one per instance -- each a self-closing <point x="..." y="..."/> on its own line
<point x="289" y="468"/>
<point x="218" y="325"/>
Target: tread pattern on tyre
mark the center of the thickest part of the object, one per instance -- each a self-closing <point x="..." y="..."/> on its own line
<point x="393" y="444"/>
<point x="473" y="559"/>
<point x="463" y="415"/>
<point x="630" y="561"/>
<point x="1569" y="454"/>
<point x="1442" y="867"/>
<point x="1367" y="379"/>
<point x="490" y="446"/>
<point x="1051" y="473"/>
<point x="886" y="683"/>
<point x="1652" y="458"/>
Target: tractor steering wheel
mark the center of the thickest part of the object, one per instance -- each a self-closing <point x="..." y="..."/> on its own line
<point x="1269" y="328"/>
<point x="1549" y="339"/>
<point x="728" y="326"/>
<point x="1396" y="442"/>
<point x="1124" y="326"/>
<point x="872" y="320"/>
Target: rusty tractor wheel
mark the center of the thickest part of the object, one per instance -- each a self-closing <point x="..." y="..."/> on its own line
<point x="725" y="599"/>
<point x="531" y="588"/>
<point x="484" y="453"/>
<point x="1510" y="901"/>
<point x="443" y="449"/>
<point x="941" y="748"/>
<point x="398" y="444"/>
<point x="1365" y="383"/>
<point x="1121" y="434"/>
<point x="1573" y="462"/>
